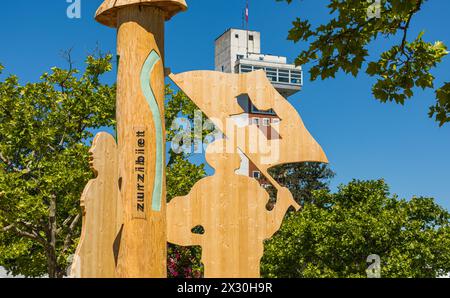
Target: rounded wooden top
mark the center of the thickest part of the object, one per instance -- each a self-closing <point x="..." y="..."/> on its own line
<point x="107" y="12"/>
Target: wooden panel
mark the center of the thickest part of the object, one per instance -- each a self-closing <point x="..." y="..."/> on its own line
<point x="102" y="214"/>
<point x="215" y="93"/>
<point x="140" y="110"/>
<point x="232" y="208"/>
<point x="107" y="12"/>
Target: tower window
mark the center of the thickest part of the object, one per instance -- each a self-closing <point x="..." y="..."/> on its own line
<point x="250" y="37"/>
<point x="236" y="35"/>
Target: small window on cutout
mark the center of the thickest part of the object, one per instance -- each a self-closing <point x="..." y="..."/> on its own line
<point x="255" y="121"/>
<point x="275" y="120"/>
<point x="256" y="174"/>
<point x="266" y="121"/>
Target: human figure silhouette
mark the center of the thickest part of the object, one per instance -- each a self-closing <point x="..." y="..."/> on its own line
<point x="232" y="211"/>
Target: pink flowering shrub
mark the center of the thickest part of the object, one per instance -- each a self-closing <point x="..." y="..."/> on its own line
<point x="184" y="262"/>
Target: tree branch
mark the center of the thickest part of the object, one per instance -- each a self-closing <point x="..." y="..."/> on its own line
<point x="10" y="164"/>
<point x="32" y="236"/>
<point x="68" y="239"/>
<point x="52" y="221"/>
<point x="65" y="222"/>
<point x="405" y="28"/>
<point x="68" y="56"/>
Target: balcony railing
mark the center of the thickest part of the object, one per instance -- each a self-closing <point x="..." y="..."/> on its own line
<point x="275" y="74"/>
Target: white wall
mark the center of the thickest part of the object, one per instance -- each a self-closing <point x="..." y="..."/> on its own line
<point x="233" y="43"/>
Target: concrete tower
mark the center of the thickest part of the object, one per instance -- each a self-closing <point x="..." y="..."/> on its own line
<point x="239" y="51"/>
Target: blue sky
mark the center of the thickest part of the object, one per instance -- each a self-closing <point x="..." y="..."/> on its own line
<point x="363" y="138"/>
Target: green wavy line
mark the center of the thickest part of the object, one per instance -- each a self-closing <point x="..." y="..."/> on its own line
<point x="146" y="72"/>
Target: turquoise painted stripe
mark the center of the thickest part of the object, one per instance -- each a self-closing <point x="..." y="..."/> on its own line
<point x="146" y="72"/>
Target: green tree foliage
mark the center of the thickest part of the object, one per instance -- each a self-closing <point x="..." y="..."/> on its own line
<point x="411" y="237"/>
<point x="343" y="44"/>
<point x="302" y="179"/>
<point x="44" y="163"/>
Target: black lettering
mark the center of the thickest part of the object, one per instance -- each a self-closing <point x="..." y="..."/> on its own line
<point x="141" y="178"/>
<point x="140" y="161"/>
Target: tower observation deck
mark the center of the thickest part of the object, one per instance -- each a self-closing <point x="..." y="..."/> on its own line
<point x="239" y="51"/>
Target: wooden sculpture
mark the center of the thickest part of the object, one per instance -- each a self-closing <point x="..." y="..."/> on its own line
<point x="140" y="132"/>
<point x="125" y="229"/>
<point x="96" y="254"/>
<point x="232" y="208"/>
<point x="232" y="211"/>
<point x="215" y="93"/>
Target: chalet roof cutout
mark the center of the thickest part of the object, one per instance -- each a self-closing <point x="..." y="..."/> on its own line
<point x="107" y="12"/>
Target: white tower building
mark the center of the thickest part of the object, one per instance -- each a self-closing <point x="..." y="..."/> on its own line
<point x="239" y="51"/>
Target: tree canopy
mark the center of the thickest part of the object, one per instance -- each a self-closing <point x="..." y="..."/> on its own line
<point x="343" y="44"/>
<point x="44" y="163"/>
<point x="411" y="237"/>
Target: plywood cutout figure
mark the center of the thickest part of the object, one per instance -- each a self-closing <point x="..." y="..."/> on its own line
<point x="216" y="93"/>
<point x="102" y="214"/>
<point x="231" y="209"/>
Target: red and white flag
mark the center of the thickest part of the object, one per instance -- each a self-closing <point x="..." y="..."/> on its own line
<point x="246" y="13"/>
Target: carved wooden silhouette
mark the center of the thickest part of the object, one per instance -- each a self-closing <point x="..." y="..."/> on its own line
<point x="232" y="211"/>
<point x="215" y="93"/>
<point x="232" y="208"/>
<point x="102" y="214"/>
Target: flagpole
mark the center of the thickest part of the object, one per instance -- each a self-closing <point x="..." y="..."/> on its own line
<point x="246" y="18"/>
